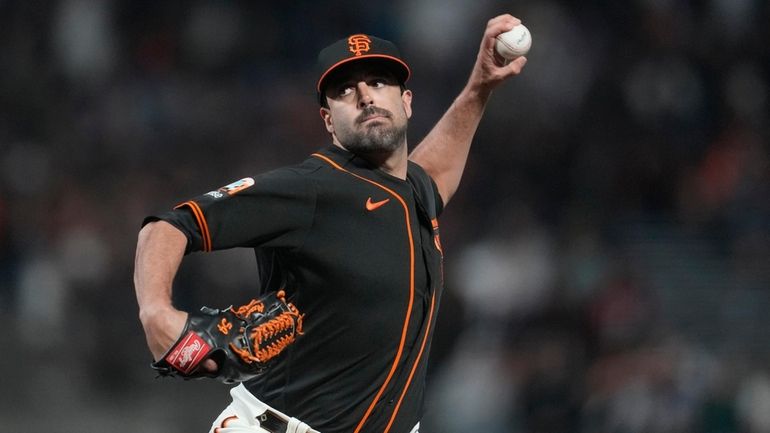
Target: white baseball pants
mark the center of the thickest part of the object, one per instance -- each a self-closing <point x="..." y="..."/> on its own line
<point x="247" y="414"/>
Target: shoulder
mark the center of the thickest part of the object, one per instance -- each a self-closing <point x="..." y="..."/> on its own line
<point x="417" y="176"/>
<point x="425" y="187"/>
<point x="416" y="169"/>
<point x="287" y="181"/>
<point x="291" y="175"/>
<point x="284" y="181"/>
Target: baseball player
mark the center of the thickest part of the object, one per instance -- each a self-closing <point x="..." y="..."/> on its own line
<point x="350" y="235"/>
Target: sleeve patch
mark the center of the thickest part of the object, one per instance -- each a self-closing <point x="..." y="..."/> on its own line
<point x="232" y="188"/>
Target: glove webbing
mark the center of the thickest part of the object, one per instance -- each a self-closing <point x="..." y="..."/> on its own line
<point x="269" y="338"/>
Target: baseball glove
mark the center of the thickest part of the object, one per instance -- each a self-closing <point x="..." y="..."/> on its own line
<point x="242" y="341"/>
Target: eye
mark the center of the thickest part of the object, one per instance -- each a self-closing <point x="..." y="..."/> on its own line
<point x="346" y="90"/>
<point x="378" y="83"/>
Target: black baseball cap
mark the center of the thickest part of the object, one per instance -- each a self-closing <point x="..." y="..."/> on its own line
<point x="355" y="48"/>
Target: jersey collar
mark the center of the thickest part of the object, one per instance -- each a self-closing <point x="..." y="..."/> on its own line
<point x="353" y="162"/>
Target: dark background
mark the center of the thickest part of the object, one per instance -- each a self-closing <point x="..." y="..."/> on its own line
<point x="607" y="252"/>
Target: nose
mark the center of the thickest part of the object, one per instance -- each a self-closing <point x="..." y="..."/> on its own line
<point x="364" y="95"/>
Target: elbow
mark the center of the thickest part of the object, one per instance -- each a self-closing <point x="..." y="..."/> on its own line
<point x="146" y="234"/>
<point x="161" y="233"/>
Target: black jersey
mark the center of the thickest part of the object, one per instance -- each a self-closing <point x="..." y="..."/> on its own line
<point x="358" y="252"/>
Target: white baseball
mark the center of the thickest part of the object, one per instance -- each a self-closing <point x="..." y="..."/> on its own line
<point x="514" y="43"/>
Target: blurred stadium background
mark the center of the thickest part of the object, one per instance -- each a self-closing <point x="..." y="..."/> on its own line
<point x="607" y="254"/>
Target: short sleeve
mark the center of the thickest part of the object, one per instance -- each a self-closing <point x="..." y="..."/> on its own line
<point x="275" y="209"/>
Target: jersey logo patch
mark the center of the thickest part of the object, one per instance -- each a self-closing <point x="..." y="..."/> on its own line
<point x="233" y="188"/>
<point x="370" y="205"/>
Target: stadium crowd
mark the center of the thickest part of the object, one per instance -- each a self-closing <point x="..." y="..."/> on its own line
<point x="607" y="252"/>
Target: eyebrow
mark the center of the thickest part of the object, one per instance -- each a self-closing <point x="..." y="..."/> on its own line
<point x="361" y="74"/>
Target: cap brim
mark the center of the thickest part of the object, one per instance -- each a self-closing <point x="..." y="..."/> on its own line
<point x="404" y="70"/>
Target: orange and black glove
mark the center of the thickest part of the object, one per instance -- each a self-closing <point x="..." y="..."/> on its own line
<point x="241" y="341"/>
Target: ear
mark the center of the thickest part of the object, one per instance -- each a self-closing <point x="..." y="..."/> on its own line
<point x="326" y="116"/>
<point x="406" y="100"/>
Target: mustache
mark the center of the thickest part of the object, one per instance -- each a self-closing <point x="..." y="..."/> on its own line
<point x="372" y="111"/>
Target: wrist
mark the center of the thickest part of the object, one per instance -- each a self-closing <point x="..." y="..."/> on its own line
<point x="152" y="313"/>
<point x="474" y="96"/>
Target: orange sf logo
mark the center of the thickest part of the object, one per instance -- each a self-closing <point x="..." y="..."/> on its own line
<point x="224" y="326"/>
<point x="359" y="44"/>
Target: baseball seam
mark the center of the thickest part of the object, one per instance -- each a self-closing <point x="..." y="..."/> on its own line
<point x="511" y="48"/>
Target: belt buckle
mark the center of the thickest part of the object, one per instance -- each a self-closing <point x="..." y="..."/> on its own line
<point x="272" y="422"/>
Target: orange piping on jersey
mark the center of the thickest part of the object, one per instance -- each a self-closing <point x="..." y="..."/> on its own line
<point x="201" y="219"/>
<point x="401" y="344"/>
<point x="436" y="238"/>
<point x="414" y="366"/>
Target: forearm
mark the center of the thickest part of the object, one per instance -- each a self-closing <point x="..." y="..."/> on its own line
<point x="444" y="151"/>
<point x="159" y="251"/>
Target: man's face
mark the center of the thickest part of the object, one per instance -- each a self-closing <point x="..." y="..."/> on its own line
<point x="368" y="112"/>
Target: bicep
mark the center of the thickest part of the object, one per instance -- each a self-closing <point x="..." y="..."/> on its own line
<point x="159" y="251"/>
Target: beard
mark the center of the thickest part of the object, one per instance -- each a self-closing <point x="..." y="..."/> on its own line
<point x="377" y="137"/>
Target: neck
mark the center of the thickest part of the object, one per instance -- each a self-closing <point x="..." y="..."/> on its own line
<point x="394" y="163"/>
